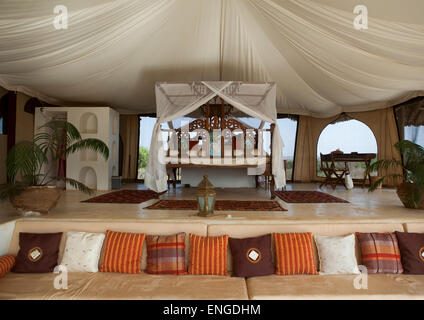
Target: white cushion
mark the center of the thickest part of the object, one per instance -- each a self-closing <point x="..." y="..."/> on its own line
<point x="337" y="254"/>
<point x="82" y="251"/>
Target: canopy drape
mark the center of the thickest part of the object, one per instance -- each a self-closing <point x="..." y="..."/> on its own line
<point x="175" y="100"/>
<point x="410" y="113"/>
<point x="114" y="51"/>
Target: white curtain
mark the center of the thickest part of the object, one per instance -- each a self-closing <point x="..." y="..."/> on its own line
<point x="114" y="51"/>
<point x="175" y="100"/>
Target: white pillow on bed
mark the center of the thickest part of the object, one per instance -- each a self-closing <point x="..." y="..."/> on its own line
<point x="337" y="254"/>
<point x="82" y="251"/>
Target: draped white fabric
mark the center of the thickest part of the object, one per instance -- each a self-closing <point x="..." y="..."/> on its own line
<point x="175" y="100"/>
<point x="114" y="51"/>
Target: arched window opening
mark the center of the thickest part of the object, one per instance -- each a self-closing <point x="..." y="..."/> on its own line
<point x="347" y="136"/>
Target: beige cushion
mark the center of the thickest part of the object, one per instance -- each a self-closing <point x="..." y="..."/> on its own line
<point x="160" y="228"/>
<point x="82" y="251"/>
<point x="327" y="229"/>
<point x="314" y="287"/>
<point x="414" y="227"/>
<point x="337" y="254"/>
<point x="105" y="286"/>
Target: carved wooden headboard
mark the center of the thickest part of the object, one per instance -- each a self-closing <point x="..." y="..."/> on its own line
<point x="215" y="122"/>
<point x="217" y="116"/>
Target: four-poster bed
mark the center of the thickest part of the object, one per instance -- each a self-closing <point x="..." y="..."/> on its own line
<point x="216" y="114"/>
<point x="214" y="105"/>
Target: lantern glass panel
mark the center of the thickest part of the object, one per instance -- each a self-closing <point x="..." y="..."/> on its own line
<point x="201" y="201"/>
<point x="211" y="203"/>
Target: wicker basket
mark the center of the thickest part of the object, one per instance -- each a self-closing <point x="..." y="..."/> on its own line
<point x="37" y="199"/>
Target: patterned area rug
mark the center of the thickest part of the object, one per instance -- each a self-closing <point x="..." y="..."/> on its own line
<point x="125" y="196"/>
<point x="220" y="205"/>
<point x="308" y="197"/>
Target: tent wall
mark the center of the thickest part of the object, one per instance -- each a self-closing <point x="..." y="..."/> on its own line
<point x="129" y="132"/>
<point x="20" y="125"/>
<point x="24" y="120"/>
<point x="3" y="138"/>
<point x="381" y="122"/>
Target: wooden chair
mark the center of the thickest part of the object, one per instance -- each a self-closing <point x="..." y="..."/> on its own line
<point x="333" y="175"/>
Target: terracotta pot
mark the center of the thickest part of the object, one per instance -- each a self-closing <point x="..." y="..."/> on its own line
<point x="36" y="199"/>
<point x="374" y="179"/>
<point x="405" y="192"/>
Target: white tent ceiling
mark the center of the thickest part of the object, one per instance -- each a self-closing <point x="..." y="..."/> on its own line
<point x="113" y="52"/>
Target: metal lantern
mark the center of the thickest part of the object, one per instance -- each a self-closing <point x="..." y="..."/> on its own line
<point x="205" y="197"/>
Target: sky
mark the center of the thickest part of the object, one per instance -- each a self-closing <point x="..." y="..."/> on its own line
<point x="348" y="136"/>
<point x="415" y="134"/>
<point x="146" y="129"/>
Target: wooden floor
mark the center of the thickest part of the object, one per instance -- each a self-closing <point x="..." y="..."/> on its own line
<point x="381" y="205"/>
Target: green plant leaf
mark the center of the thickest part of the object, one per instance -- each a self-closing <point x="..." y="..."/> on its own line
<point x="76" y="184"/>
<point x="412" y="165"/>
<point x="61" y="131"/>
<point x="91" y="144"/>
<point x="383" y="165"/>
<point x="56" y="140"/>
<point x="23" y="161"/>
<point x="375" y="185"/>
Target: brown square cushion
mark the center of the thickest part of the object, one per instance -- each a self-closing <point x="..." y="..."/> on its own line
<point x="252" y="256"/>
<point x="411" y="246"/>
<point x="38" y="252"/>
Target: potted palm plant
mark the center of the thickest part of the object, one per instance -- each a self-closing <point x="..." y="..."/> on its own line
<point x="411" y="190"/>
<point x="29" y="166"/>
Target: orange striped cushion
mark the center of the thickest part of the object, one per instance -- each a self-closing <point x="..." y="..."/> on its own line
<point x="122" y="252"/>
<point x="294" y="253"/>
<point x="208" y="255"/>
<point x="6" y="263"/>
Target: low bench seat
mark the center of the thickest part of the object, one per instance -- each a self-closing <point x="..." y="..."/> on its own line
<point x="336" y="287"/>
<point x="104" y="285"/>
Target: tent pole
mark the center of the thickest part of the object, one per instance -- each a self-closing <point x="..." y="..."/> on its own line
<point x="272" y="186"/>
<point x="207" y="116"/>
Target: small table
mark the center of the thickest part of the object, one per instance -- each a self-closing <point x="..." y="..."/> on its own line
<point x="356" y="157"/>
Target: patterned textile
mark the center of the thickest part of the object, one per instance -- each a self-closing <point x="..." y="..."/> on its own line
<point x="125" y="196"/>
<point x="252" y="257"/>
<point x="166" y="254"/>
<point x="122" y="252"/>
<point x="220" y="205"/>
<point x="308" y="197"/>
<point x="380" y="252"/>
<point x="208" y="255"/>
<point x="411" y="246"/>
<point x="82" y="251"/>
<point x="38" y="252"/>
<point x="6" y="263"/>
<point x="294" y="253"/>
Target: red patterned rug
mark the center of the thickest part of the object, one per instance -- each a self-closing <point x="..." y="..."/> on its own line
<point x="125" y="196"/>
<point x="220" y="205"/>
<point x="308" y="197"/>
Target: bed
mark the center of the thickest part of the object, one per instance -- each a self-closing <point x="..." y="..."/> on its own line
<point x="216" y="115"/>
<point x="215" y="108"/>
